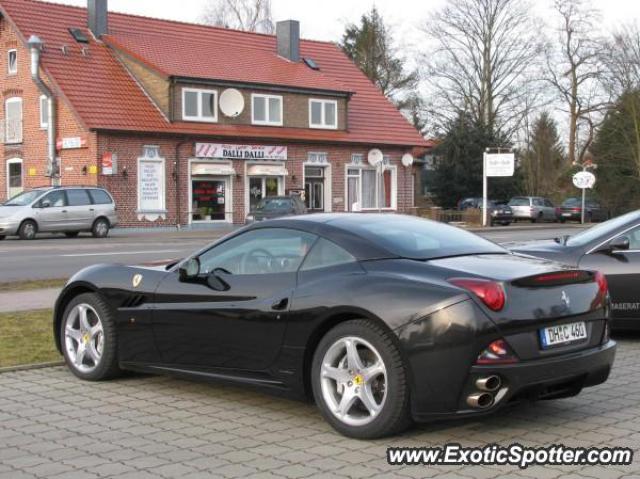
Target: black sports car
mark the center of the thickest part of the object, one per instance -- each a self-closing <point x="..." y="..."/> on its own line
<point x="381" y="318"/>
<point x="612" y="247"/>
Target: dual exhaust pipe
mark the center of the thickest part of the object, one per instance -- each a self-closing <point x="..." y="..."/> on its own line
<point x="485" y="399"/>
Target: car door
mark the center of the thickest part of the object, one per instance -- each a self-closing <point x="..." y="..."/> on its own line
<point x="81" y="210"/>
<point x="549" y="210"/>
<point x="622" y="269"/>
<point x="51" y="211"/>
<point x="198" y="324"/>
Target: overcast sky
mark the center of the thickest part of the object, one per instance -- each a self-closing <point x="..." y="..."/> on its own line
<point x="325" y="19"/>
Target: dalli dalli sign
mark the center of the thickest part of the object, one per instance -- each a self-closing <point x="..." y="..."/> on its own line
<point x="241" y="152"/>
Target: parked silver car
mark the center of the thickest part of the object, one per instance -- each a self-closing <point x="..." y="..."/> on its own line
<point x="532" y="208"/>
<point x="69" y="210"/>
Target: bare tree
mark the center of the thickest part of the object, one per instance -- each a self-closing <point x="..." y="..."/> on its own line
<point x="247" y="15"/>
<point x="485" y="52"/>
<point x="621" y="58"/>
<point x="576" y="72"/>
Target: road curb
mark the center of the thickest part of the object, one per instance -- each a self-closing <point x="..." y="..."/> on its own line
<point x="28" y="367"/>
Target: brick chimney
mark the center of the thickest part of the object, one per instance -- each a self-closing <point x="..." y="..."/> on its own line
<point x="288" y="37"/>
<point x="98" y="20"/>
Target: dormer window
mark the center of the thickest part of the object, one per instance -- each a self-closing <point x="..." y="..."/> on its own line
<point x="12" y="62"/>
<point x="266" y="109"/>
<point x="323" y="114"/>
<point x="199" y="105"/>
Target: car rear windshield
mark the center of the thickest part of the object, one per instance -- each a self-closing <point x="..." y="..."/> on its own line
<point x="24" y="199"/>
<point x="415" y="238"/>
<point x="572" y="202"/>
<point x="270" y="204"/>
<point x="519" y="202"/>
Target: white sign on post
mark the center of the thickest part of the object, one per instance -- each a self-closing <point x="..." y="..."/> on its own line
<point x="584" y="180"/>
<point x="151" y="189"/>
<point x="500" y="165"/>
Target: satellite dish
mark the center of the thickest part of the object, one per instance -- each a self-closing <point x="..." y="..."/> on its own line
<point x="407" y="160"/>
<point x="231" y="103"/>
<point x="375" y="157"/>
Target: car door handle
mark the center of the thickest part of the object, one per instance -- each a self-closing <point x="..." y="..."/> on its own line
<point x="280" y="305"/>
<point x="64" y="211"/>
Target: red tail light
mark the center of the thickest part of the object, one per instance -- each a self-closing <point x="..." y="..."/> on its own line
<point x="603" y="286"/>
<point x="498" y="352"/>
<point x="490" y="292"/>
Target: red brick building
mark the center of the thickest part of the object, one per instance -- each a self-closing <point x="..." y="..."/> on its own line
<point x="188" y="124"/>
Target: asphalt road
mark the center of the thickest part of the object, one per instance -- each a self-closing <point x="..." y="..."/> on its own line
<point x="55" y="257"/>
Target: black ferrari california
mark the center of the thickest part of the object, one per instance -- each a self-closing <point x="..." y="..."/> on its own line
<point x="613" y="248"/>
<point x="383" y="319"/>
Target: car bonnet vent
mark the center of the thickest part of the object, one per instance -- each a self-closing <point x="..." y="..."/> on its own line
<point x="79" y="35"/>
<point x="311" y="64"/>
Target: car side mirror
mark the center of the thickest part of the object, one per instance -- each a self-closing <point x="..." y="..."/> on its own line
<point x="621" y="243"/>
<point x="45" y="204"/>
<point x="189" y="270"/>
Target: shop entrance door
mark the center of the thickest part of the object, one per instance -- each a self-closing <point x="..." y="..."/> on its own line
<point x="314" y="189"/>
<point x="208" y="199"/>
<point x="262" y="187"/>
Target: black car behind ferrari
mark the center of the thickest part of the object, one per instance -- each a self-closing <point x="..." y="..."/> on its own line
<point x="382" y="319"/>
<point x="612" y="247"/>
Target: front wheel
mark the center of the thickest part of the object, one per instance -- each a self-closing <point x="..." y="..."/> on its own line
<point x="28" y="230"/>
<point x="359" y="381"/>
<point x="100" y="228"/>
<point x="88" y="338"/>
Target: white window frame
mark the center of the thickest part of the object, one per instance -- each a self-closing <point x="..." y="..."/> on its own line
<point x="394" y="187"/>
<point x="14" y="70"/>
<point x="200" y="117"/>
<point x="13" y="141"/>
<point x="323" y="125"/>
<point x="266" y="98"/>
<point x="44" y="120"/>
<point x="14" y="161"/>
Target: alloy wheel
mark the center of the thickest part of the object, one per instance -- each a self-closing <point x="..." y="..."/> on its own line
<point x="84" y="338"/>
<point x="353" y="381"/>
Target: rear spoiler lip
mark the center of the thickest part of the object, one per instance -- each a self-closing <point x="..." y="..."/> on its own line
<point x="556" y="278"/>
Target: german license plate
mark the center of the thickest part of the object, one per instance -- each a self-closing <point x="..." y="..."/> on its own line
<point x="566" y="214"/>
<point x="563" y="334"/>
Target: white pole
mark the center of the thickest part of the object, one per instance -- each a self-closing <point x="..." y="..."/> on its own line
<point x="484" y="189"/>
<point x="584" y="195"/>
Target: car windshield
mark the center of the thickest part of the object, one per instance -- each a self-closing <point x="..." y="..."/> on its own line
<point x="270" y="204"/>
<point x="519" y="202"/>
<point x="24" y="199"/>
<point x="415" y="238"/>
<point x="603" y="230"/>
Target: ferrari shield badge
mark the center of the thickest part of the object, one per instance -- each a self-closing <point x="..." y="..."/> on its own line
<point x="137" y="280"/>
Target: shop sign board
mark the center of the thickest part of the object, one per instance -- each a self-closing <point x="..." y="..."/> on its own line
<point x="241" y="152"/>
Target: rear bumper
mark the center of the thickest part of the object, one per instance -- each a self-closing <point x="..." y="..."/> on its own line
<point x="549" y="378"/>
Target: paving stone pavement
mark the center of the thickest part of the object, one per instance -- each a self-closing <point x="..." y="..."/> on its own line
<point x="139" y="427"/>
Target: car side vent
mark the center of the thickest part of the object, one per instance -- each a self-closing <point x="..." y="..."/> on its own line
<point x="133" y="301"/>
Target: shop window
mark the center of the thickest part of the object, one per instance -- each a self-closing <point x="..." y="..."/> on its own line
<point x="12" y="62"/>
<point x="323" y="114"/>
<point x="209" y="199"/>
<point x="199" y="105"/>
<point x="266" y="110"/>
<point x="44" y="112"/>
<point x="366" y="192"/>
<point x="13" y="122"/>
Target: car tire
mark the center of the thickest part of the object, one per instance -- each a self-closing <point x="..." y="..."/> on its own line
<point x="506" y="223"/>
<point x="89" y="347"/>
<point x="386" y="392"/>
<point x="100" y="228"/>
<point x="28" y="230"/>
<point x="72" y="234"/>
<point x="3" y="238"/>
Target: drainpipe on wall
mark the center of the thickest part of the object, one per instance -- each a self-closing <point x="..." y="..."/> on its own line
<point x="35" y="46"/>
<point x="177" y="181"/>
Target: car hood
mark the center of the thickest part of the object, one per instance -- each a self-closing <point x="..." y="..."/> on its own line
<point x="8" y="211"/>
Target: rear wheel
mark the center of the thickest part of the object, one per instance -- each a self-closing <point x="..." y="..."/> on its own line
<point x="359" y="381"/>
<point x="28" y="230"/>
<point x="100" y="228"/>
<point x="72" y="234"/>
<point x="88" y="338"/>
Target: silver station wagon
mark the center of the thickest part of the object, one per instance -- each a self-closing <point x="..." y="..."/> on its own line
<point x="69" y="210"/>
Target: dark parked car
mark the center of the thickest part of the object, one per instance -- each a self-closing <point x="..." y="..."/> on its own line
<point x="499" y="213"/>
<point x="277" y="207"/>
<point x="612" y="247"/>
<point x="571" y="210"/>
<point x="383" y="319"/>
